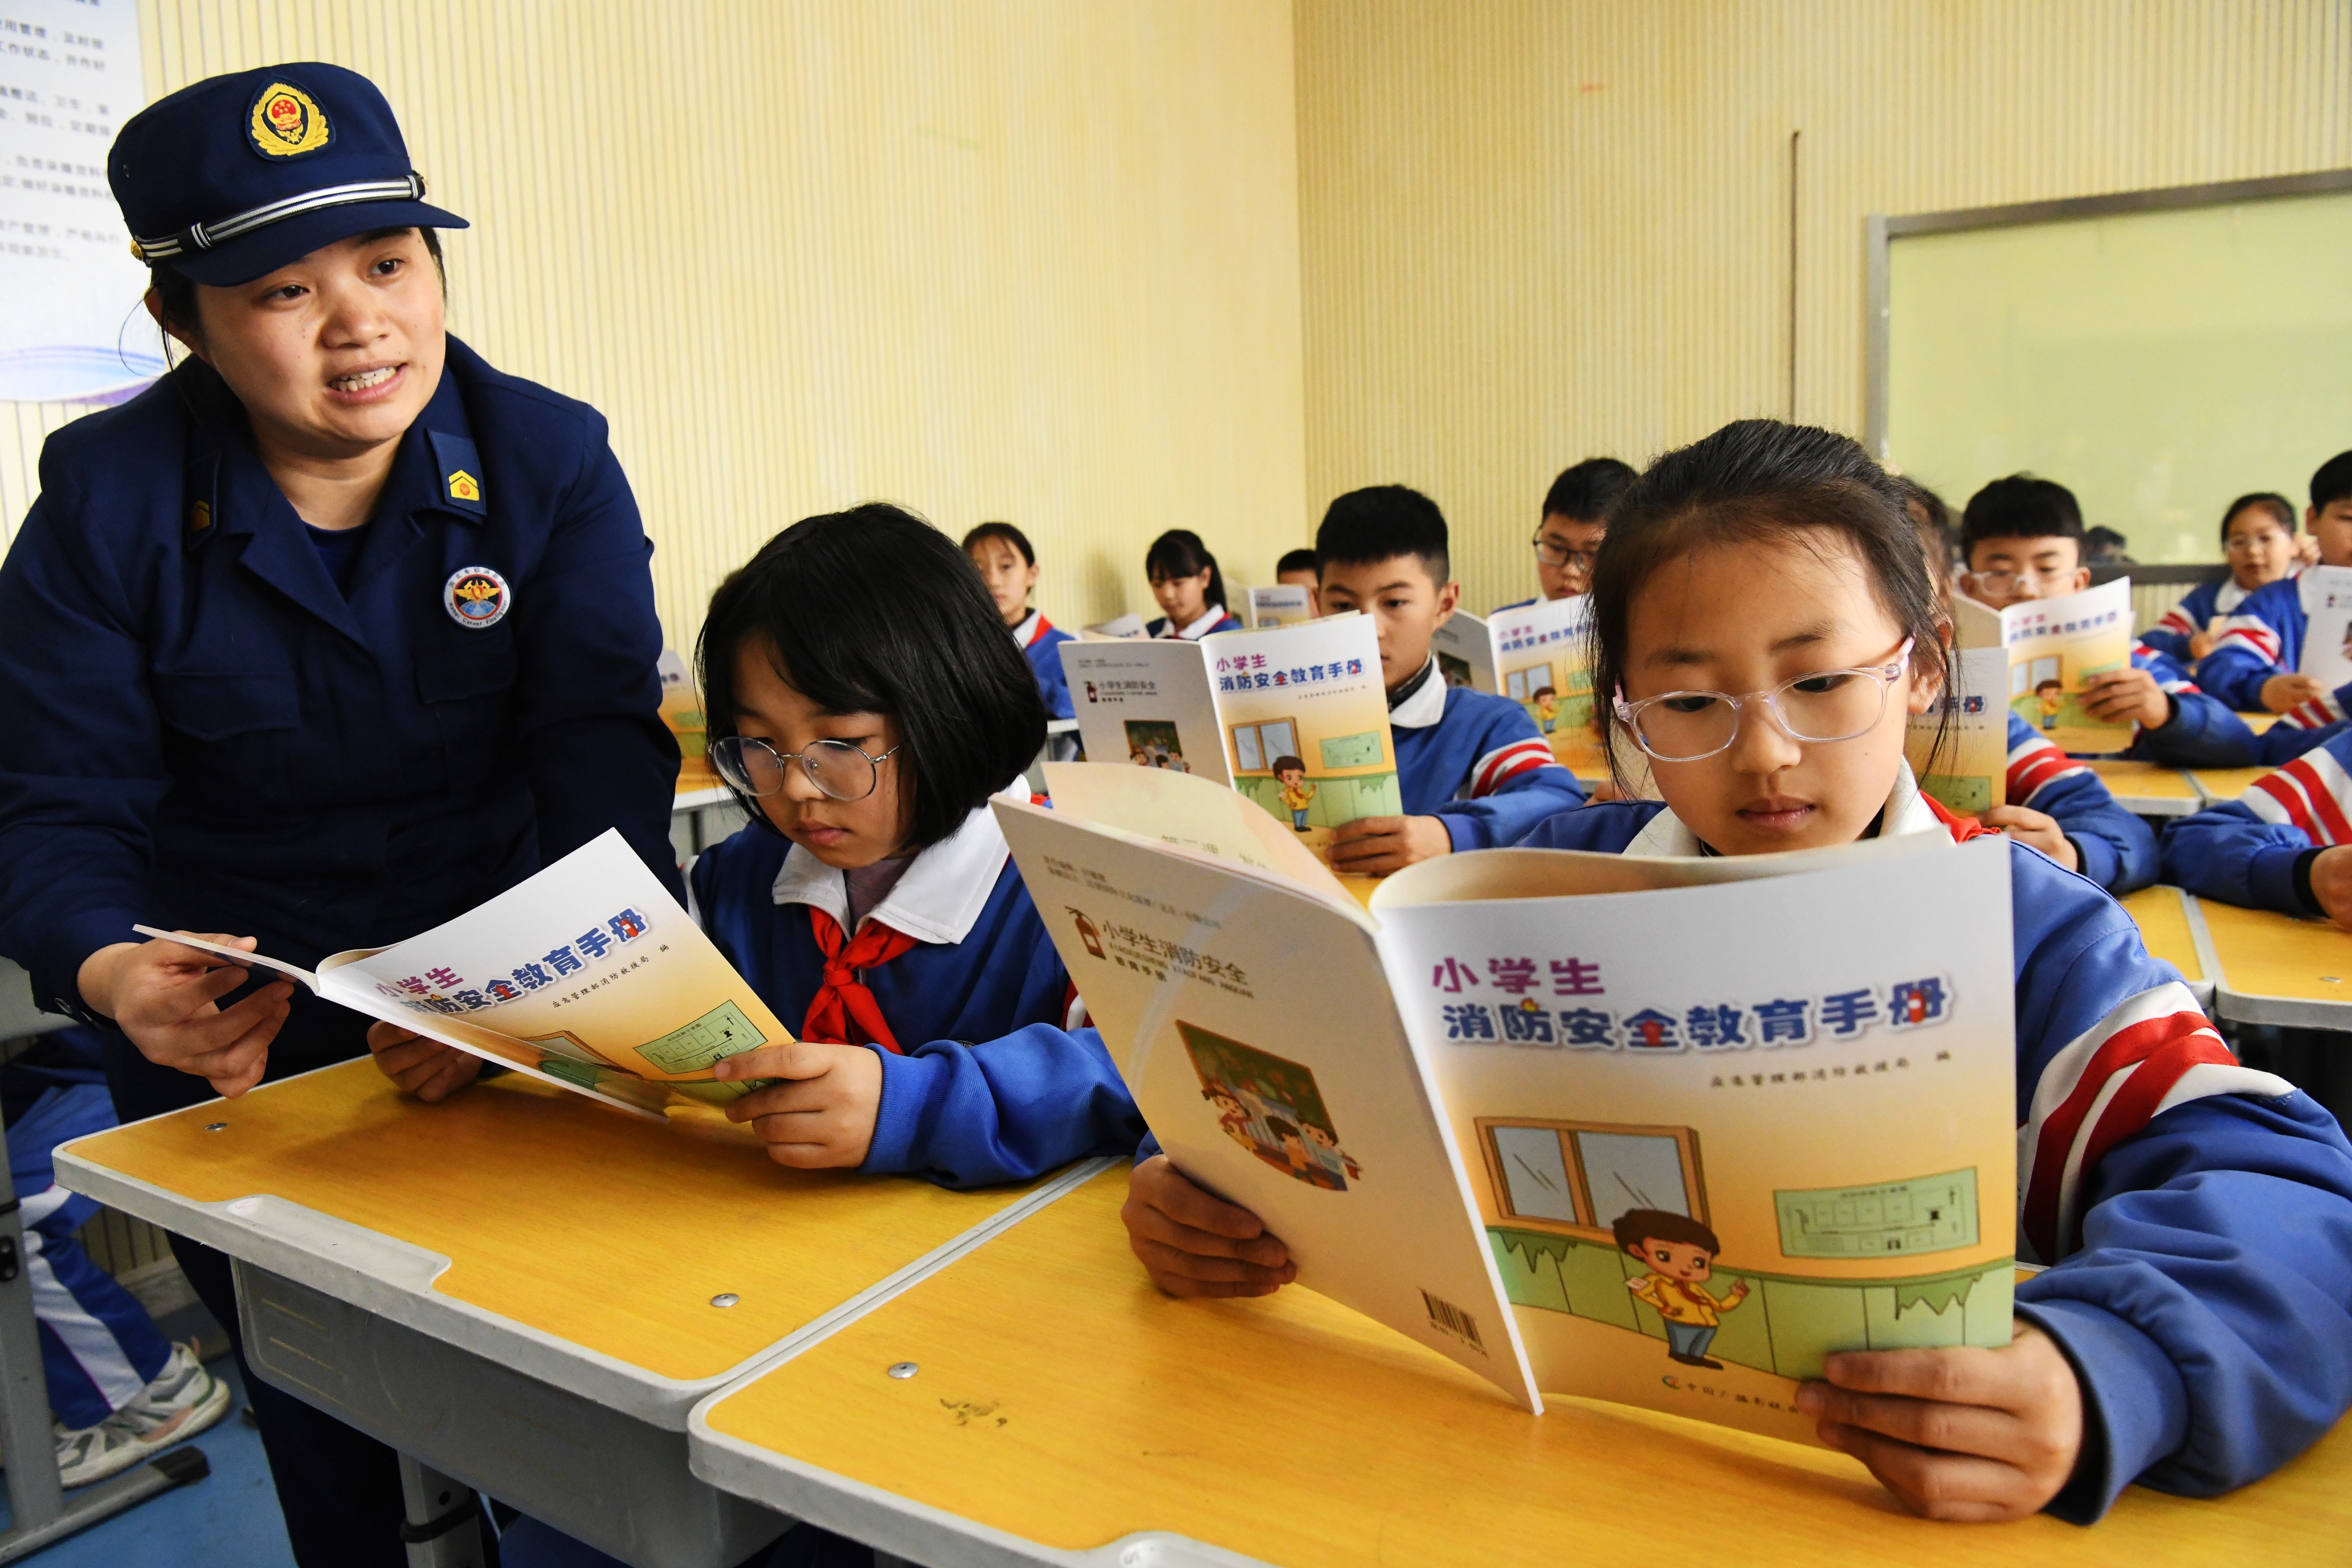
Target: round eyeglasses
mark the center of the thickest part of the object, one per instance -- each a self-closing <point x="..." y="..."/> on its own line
<point x="1826" y="705"/>
<point x="1551" y="554"/>
<point x="836" y="767"/>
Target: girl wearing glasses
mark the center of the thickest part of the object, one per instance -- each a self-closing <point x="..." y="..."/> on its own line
<point x="864" y="704"/>
<point x="1764" y="617"/>
<point x="2259" y="540"/>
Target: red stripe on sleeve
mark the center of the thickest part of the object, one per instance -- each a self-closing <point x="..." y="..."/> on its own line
<point x="2056" y="1139"/>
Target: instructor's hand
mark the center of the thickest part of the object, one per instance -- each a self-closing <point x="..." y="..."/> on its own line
<point x="166" y="999"/>
<point x="824" y="1116"/>
<point x="425" y="1069"/>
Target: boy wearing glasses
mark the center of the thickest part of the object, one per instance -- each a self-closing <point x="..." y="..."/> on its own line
<point x="1575" y="521"/>
<point x="1474" y="771"/>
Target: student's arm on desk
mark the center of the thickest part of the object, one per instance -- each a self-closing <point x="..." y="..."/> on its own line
<point x="2228" y="854"/>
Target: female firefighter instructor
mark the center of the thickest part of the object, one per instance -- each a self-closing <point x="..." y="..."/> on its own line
<point x="327" y="637"/>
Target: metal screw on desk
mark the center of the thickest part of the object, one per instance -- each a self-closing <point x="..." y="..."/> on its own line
<point x="2331" y="980"/>
<point x="215" y="1126"/>
<point x="903" y="1369"/>
<point x="725" y="1299"/>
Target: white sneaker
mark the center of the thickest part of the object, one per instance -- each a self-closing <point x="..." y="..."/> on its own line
<point x="181" y="1401"/>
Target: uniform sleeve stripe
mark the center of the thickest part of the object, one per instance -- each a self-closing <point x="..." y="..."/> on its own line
<point x="2315" y="714"/>
<point x="2248" y="632"/>
<point x="2176" y="620"/>
<point x="2034" y="765"/>
<point x="1074" y="1010"/>
<point x="2130" y="1068"/>
<point x="2310" y="792"/>
<point x="1506" y="762"/>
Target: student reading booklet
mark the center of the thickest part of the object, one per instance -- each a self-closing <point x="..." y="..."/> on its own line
<point x="588" y="975"/>
<point x="1666" y="1131"/>
<point x="1970" y="771"/>
<point x="2053" y="645"/>
<point x="1535" y="655"/>
<point x="1118" y="628"/>
<point x="1281" y="604"/>
<point x="1293" y="717"/>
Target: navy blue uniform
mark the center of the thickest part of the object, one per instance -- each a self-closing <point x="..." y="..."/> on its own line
<point x="199" y="731"/>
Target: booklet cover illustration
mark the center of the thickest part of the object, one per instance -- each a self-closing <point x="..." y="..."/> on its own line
<point x="1538" y="656"/>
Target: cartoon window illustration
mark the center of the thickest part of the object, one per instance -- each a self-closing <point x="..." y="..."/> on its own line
<point x="1580" y="1176"/>
<point x="1255" y="746"/>
<point x="1521" y="685"/>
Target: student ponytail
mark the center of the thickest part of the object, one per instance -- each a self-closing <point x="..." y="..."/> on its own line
<point x="1179" y="553"/>
<point x="1761" y="481"/>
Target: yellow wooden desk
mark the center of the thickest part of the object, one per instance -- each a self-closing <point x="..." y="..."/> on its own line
<point x="2171" y="927"/>
<point x="2259" y="723"/>
<point x="2225" y="783"/>
<point x="522" y="1289"/>
<point x="1059" y="1404"/>
<point x="2275" y="969"/>
<point x="2148" y="789"/>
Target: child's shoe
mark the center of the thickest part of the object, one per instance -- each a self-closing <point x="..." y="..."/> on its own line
<point x="181" y="1401"/>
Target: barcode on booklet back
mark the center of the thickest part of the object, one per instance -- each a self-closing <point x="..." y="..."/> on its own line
<point x="1453" y="1319"/>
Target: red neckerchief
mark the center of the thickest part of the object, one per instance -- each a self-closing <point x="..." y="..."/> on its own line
<point x="844" y="1012"/>
<point x="1962" y="828"/>
<point x="1044" y="626"/>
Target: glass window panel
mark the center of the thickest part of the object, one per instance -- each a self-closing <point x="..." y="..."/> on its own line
<point x="1535" y="1172"/>
<point x="1245" y="747"/>
<point x="1632" y="1171"/>
<point x="1280" y="740"/>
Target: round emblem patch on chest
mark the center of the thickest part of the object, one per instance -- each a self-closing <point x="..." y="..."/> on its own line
<point x="476" y="596"/>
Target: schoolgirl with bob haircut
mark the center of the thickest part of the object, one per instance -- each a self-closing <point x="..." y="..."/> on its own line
<point x="864" y="704"/>
<point x="1188" y="586"/>
<point x="2192" y="1330"/>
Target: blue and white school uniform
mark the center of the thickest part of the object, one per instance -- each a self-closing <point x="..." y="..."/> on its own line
<point x="2196" y="1215"/>
<point x="1474" y="761"/>
<point x="2198" y="732"/>
<point x="2257" y="850"/>
<point x="989" y="1072"/>
<point x="1212" y="619"/>
<point x="2194" y="614"/>
<point x="2117" y="850"/>
<point x="1040" y="642"/>
<point x="2261" y="638"/>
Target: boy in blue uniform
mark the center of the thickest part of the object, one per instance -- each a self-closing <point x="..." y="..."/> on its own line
<point x="1475" y="772"/>
<point x="2256" y="650"/>
<point x="1573" y="522"/>
<point x="2285" y="844"/>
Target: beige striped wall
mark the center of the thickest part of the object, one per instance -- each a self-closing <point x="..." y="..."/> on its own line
<point x="1020" y="258"/>
<point x="1535" y="230"/>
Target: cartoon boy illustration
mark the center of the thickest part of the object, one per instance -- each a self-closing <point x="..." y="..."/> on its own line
<point x="2053" y="698"/>
<point x="1291" y="775"/>
<point x="1233" y="1116"/>
<point x="1332" y="1161"/>
<point x="1679" y="1252"/>
<point x="1546" y="703"/>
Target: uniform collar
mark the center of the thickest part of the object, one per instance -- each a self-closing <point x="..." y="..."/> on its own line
<point x="1030" y="630"/>
<point x="1907" y="812"/>
<point x="1201" y="627"/>
<point x="938" y="900"/>
<point x="1427" y="706"/>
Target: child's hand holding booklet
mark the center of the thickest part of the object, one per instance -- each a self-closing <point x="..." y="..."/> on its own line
<point x="588" y="975"/>
<point x="1663" y="1130"/>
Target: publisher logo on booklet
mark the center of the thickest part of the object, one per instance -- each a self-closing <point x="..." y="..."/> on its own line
<point x="1088" y="933"/>
<point x="477" y="597"/>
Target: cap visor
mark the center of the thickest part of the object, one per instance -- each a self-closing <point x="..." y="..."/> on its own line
<point x="252" y="256"/>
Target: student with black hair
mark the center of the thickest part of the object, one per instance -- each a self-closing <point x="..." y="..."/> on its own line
<point x="1574" y="520"/>
<point x="1932" y="518"/>
<point x="863" y="705"/>
<point x="2257" y="648"/>
<point x="1190" y="588"/>
<point x="1473" y="771"/>
<point x="999" y="553"/>
<point x="1296" y="569"/>
<point x="1764" y="630"/>
<point x="2259" y="540"/>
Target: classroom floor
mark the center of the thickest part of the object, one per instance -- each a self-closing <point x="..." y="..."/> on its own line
<point x="228" y="1520"/>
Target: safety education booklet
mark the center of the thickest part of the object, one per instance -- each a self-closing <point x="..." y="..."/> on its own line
<point x="588" y="975"/>
<point x="1959" y="749"/>
<point x="1294" y="717"/>
<point x="1665" y="1132"/>
<point x="2053" y="646"/>
<point x="2326" y="593"/>
<point x="1280" y="605"/>
<point x="1540" y="656"/>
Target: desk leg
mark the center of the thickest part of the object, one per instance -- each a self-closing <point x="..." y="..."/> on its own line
<point x="444" y="1528"/>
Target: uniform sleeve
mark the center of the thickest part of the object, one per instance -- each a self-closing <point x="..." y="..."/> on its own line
<point x="2226" y="852"/>
<point x="2170" y="637"/>
<point x="2199" y="1215"/>
<point x="597" y="753"/>
<point x="2117" y="850"/>
<point x="1053" y="682"/>
<point x="966" y="1116"/>
<point x="1513" y="786"/>
<point x="2248" y="650"/>
<point x="2202" y="733"/>
<point x="81" y="763"/>
<point x="2283" y="742"/>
